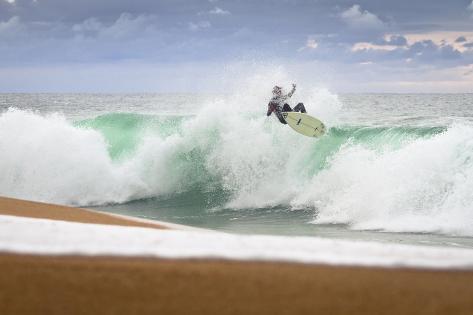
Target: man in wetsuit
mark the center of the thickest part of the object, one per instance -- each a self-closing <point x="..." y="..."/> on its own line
<point x="278" y="104"/>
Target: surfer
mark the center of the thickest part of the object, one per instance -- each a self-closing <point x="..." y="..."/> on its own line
<point x="278" y="104"/>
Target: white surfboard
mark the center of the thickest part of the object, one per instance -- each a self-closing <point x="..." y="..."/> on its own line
<point x="304" y="124"/>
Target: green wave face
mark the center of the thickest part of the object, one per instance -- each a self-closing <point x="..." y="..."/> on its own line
<point x="124" y="131"/>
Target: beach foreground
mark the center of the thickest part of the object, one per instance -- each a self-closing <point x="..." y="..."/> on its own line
<point x="100" y="284"/>
<point x="106" y="285"/>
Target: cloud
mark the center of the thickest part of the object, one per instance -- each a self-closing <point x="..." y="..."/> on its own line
<point x="396" y="40"/>
<point x="125" y="26"/>
<point x="427" y="51"/>
<point x="218" y="11"/>
<point x="199" y="25"/>
<point x="128" y="25"/>
<point x="310" y="44"/>
<point x="442" y="38"/>
<point x="388" y="42"/>
<point x="391" y="40"/>
<point x="11" y="27"/>
<point x="357" y="18"/>
<point x="370" y="46"/>
<point x="470" y="7"/>
<point x="89" y="25"/>
<point x="412" y="55"/>
<point x="10" y="1"/>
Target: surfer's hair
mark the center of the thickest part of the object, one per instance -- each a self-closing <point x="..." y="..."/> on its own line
<point x="277" y="89"/>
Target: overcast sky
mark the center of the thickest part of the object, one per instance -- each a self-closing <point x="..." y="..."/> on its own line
<point x="188" y="46"/>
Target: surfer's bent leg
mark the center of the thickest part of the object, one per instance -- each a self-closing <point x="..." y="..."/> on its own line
<point x="280" y="117"/>
<point x="300" y="108"/>
<point x="286" y="108"/>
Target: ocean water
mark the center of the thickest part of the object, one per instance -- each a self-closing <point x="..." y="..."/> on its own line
<point x="392" y="167"/>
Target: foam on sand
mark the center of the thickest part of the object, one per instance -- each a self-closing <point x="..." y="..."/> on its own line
<point x="41" y="236"/>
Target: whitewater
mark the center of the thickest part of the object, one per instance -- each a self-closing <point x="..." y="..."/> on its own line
<point x="390" y="167"/>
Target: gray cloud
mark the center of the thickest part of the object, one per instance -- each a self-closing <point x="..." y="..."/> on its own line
<point x="218" y="11"/>
<point x="126" y="26"/>
<point x="393" y="40"/>
<point x="428" y="51"/>
<point x="11" y="27"/>
<point x="359" y="19"/>
<point x="419" y="54"/>
<point x="199" y="25"/>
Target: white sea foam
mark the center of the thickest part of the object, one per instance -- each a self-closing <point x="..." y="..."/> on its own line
<point x="45" y="158"/>
<point x="426" y="185"/>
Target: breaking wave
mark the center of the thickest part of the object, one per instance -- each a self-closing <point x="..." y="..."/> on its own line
<point x="394" y="178"/>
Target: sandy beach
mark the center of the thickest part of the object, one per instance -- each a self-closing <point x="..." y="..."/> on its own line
<point x="30" y="209"/>
<point x="42" y="284"/>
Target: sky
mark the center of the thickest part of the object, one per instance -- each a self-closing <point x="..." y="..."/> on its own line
<point x="356" y="46"/>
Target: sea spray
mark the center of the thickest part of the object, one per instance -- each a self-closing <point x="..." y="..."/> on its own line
<point x="391" y="177"/>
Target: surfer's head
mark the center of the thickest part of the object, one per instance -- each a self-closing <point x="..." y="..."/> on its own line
<point x="277" y="90"/>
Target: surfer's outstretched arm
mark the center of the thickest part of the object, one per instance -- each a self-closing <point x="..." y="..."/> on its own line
<point x="292" y="91"/>
<point x="288" y="95"/>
